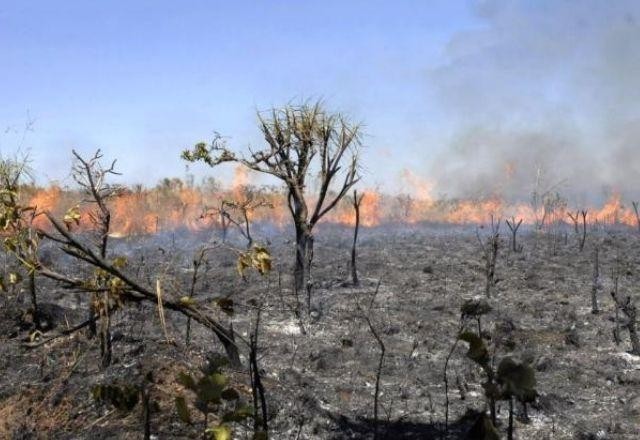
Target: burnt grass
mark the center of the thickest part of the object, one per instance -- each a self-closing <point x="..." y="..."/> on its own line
<point x="320" y="385"/>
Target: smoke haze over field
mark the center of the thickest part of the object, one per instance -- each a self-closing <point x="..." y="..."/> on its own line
<point x="551" y="86"/>
<point x="474" y="98"/>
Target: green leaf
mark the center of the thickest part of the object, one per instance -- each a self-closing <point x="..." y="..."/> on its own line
<point x="226" y="305"/>
<point x="483" y="429"/>
<point x="222" y="432"/>
<point x="477" y="349"/>
<point x="230" y="395"/>
<point x="187" y="301"/>
<point x="210" y="388"/>
<point x="72" y="216"/>
<point x="14" y="278"/>
<point x="262" y="260"/>
<point x="123" y="398"/>
<point x="215" y="363"/>
<point x="517" y="379"/>
<point x="120" y="262"/>
<point x="183" y="410"/>
<point x="242" y="413"/>
<point x="260" y="435"/>
<point x="186" y="381"/>
<point x="475" y="307"/>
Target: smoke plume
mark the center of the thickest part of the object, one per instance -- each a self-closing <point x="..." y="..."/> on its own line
<point x="544" y="91"/>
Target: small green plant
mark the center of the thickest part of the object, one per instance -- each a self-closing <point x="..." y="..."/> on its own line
<point x="125" y="397"/>
<point x="122" y="397"/>
<point x="212" y="395"/>
<point x="16" y="226"/>
<point x="511" y="380"/>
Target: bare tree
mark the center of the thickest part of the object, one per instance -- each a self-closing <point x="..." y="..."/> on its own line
<point x="490" y="248"/>
<point x="636" y="209"/>
<point x="238" y="213"/>
<point x="221" y="212"/>
<point x="91" y="176"/>
<point x="261" y="423"/>
<point x="595" y="283"/>
<point x="575" y="219"/>
<point x="357" y="200"/>
<point x="300" y="139"/>
<point x="197" y="264"/>
<point x="629" y="309"/>
<point x="366" y="316"/>
<point x="614" y="293"/>
<point x="583" y="239"/>
<point x="514" y="226"/>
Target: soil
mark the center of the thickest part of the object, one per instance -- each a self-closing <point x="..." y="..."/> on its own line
<point x="320" y="384"/>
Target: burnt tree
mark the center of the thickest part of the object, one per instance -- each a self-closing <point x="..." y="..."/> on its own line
<point x="583" y="238"/>
<point x="91" y="176"/>
<point x="575" y="219"/>
<point x="513" y="227"/>
<point x="238" y="212"/>
<point x="301" y="141"/>
<point x="490" y="248"/>
<point x="636" y="209"/>
<point x="357" y="200"/>
<point x="629" y="309"/>
<point x="595" y="282"/>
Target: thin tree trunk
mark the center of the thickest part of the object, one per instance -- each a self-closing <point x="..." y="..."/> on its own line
<point x="575" y="221"/>
<point x="257" y="388"/>
<point x="247" y="229"/>
<point x="633" y="334"/>
<point x="584" y="230"/>
<point x="228" y="341"/>
<point x="105" y="333"/>
<point x="514" y="226"/>
<point x="595" y="282"/>
<point x="308" y="278"/>
<point x="300" y="266"/>
<point x="492" y="256"/>
<point x="354" y="269"/>
<point x="146" y="401"/>
<point x="34" y="299"/>
<point x="510" y="430"/>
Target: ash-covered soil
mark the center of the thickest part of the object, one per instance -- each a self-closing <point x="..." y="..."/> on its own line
<point x="320" y="385"/>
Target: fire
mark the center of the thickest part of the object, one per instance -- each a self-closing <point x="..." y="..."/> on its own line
<point x="419" y="200"/>
<point x="172" y="205"/>
<point x="47" y="199"/>
<point x="369" y="211"/>
<point x="613" y="212"/>
<point x="475" y="212"/>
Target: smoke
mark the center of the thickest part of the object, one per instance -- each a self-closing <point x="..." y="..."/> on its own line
<point x="546" y="90"/>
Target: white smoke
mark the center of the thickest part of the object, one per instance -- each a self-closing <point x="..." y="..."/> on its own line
<point x="548" y="85"/>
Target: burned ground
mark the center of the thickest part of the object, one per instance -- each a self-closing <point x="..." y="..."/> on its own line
<point x="320" y="384"/>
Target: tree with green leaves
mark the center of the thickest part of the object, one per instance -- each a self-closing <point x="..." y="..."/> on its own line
<point x="16" y="225"/>
<point x="301" y="141"/>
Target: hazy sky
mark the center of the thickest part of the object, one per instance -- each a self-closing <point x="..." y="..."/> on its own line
<point x="458" y="92"/>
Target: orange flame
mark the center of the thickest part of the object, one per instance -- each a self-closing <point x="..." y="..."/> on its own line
<point x="174" y="205"/>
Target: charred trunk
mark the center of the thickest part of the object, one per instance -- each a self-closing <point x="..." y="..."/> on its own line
<point x="227" y="338"/>
<point x="302" y="263"/>
<point x="356" y="229"/>
<point x="34" y="299"/>
<point x="595" y="284"/>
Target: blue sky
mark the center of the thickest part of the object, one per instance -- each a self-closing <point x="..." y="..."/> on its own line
<point x="453" y="90"/>
<point x="141" y="80"/>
